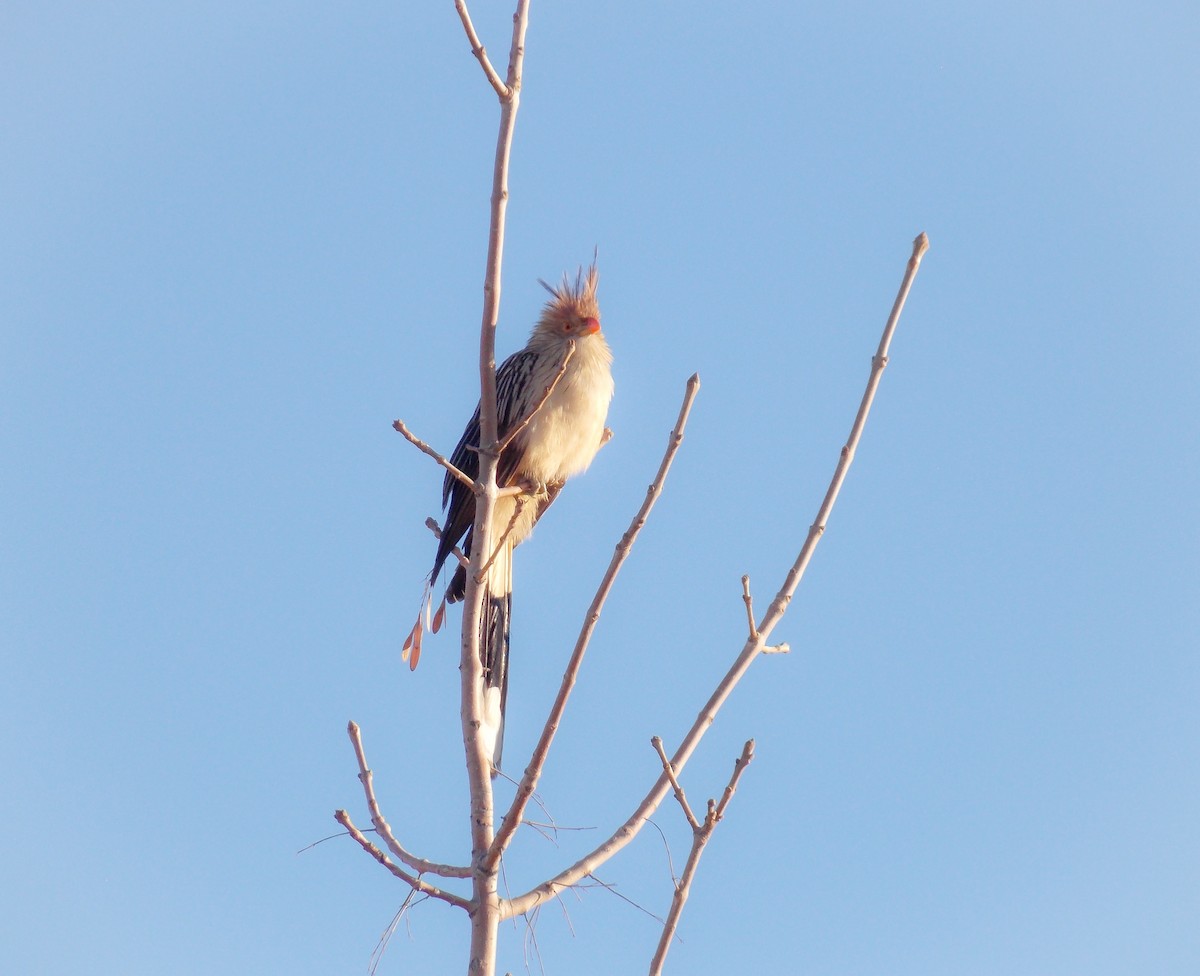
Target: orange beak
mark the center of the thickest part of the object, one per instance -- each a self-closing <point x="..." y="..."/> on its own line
<point x="591" y="326"/>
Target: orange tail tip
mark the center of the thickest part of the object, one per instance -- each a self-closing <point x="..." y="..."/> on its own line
<point x="439" y="618"/>
<point x="412" y="645"/>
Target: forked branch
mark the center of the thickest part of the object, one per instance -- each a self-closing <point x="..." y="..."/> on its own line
<point x="485" y="915"/>
<point x="701" y="835"/>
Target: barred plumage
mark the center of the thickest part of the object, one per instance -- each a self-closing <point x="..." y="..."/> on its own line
<point x="558" y="442"/>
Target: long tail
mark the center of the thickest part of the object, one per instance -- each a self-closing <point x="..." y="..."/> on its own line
<point x="493" y="637"/>
<point x="493" y="651"/>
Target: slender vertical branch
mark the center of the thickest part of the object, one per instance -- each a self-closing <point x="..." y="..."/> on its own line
<point x="485" y="914"/>
<point x="749" y="601"/>
<point x="754" y="646"/>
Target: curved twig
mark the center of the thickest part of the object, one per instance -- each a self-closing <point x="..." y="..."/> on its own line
<point x="418" y="864"/>
<point x="342" y="817"/>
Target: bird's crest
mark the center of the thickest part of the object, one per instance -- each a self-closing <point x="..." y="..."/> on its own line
<point x="573" y="298"/>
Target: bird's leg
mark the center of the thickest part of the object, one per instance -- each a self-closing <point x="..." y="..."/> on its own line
<point x="534" y="487"/>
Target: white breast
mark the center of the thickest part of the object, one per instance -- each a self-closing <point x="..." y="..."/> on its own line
<point x="565" y="435"/>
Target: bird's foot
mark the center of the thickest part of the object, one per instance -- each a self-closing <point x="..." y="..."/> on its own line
<point x="534" y="487"/>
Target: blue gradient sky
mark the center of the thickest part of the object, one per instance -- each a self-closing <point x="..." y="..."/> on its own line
<point x="240" y="239"/>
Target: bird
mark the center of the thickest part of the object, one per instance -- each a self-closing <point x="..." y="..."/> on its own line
<point x="555" y="393"/>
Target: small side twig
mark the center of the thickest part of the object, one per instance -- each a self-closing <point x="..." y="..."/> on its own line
<point x="478" y="50"/>
<point x="366" y="777"/>
<point x="701" y="835"/>
<point x="670" y="771"/>
<point x="426" y="449"/>
<point x="432" y="526"/>
<point x="749" y="606"/>
<point x="524" y="422"/>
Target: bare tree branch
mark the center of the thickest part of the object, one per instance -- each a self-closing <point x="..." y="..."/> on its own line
<point x="533" y="772"/>
<point x="701" y="834"/>
<point x="365" y="776"/>
<point x="421" y="445"/>
<point x="670" y="771"/>
<point x="342" y="817"/>
<point x="478" y="50"/>
<point x="485" y="916"/>
<point x="432" y="526"/>
<point x="739" y="767"/>
<point x="749" y="606"/>
<point x="754" y="646"/>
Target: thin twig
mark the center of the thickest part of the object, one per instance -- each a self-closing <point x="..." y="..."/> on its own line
<point x="381" y="947"/>
<point x="478" y="50"/>
<point x="666" y="847"/>
<point x="365" y="776"/>
<point x="533" y="772"/>
<point x="441" y="459"/>
<point x="679" y="794"/>
<point x="701" y="834"/>
<point x="342" y="817"/>
<point x="612" y="890"/>
<point x="739" y="767"/>
<point x="749" y="606"/>
<point x="562" y="369"/>
<point x="753" y="647"/>
<point x="432" y="526"/>
<point x="522" y="501"/>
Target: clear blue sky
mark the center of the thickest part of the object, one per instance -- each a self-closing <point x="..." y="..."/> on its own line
<point x="240" y="239"/>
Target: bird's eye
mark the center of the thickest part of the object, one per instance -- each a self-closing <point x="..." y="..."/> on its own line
<point x="568" y="326"/>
